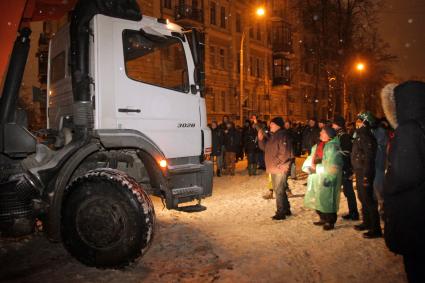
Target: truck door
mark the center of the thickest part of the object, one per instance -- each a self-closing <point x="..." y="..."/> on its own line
<point x="153" y="92"/>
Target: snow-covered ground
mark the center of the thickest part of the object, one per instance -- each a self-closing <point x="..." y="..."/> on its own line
<point x="234" y="240"/>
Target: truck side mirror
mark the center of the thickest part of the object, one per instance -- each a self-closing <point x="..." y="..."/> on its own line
<point x="198" y="46"/>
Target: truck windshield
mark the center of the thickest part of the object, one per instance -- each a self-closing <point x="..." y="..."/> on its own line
<point x="155" y="60"/>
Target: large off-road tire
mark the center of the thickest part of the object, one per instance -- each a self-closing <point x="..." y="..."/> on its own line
<point x="107" y="219"/>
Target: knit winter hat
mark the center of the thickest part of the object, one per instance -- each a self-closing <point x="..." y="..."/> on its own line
<point x="278" y="121"/>
<point x="366" y="117"/>
<point x="329" y="131"/>
<point x="340" y="121"/>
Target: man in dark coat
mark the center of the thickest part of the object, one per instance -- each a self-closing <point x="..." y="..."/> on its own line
<point x="347" y="171"/>
<point x="217" y="144"/>
<point x="404" y="185"/>
<point x="291" y="133"/>
<point x="251" y="148"/>
<point x="231" y="146"/>
<point x="363" y="162"/>
<point x="310" y="136"/>
<point x="278" y="153"/>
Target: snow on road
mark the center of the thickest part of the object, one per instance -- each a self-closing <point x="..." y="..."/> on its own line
<point x="234" y="240"/>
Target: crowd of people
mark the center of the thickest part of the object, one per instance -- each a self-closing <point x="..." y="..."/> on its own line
<point x="334" y="149"/>
<point x="385" y="158"/>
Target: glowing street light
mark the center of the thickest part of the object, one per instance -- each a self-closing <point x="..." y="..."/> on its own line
<point x="260" y="12"/>
<point x="360" y="67"/>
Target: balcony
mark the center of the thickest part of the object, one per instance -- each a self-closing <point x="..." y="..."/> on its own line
<point x="282" y="82"/>
<point x="187" y="15"/>
<point x="282" y="46"/>
<point x="282" y="37"/>
<point x="281" y="72"/>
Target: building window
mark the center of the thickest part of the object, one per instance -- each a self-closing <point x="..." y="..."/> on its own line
<point x="222" y="59"/>
<point x="282" y="37"/>
<point x="213" y="13"/>
<point x="155" y="60"/>
<point x="238" y="62"/>
<point x="258" y="73"/>
<point x="213" y="106"/>
<point x="167" y="4"/>
<point x="251" y="32"/>
<point x="223" y="101"/>
<point x="251" y="66"/>
<point x="238" y="22"/>
<point x="212" y="56"/>
<point x="258" y="32"/>
<point x="281" y="71"/>
<point x="223" y="17"/>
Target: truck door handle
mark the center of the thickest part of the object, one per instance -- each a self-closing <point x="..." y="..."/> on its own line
<point x="127" y="110"/>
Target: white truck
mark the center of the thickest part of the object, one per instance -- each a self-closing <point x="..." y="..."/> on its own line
<point x="126" y="109"/>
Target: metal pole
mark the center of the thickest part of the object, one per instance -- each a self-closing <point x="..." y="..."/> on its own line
<point x="241" y="80"/>
<point x="345" y="102"/>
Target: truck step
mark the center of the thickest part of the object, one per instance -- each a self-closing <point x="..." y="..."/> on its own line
<point x="187" y="192"/>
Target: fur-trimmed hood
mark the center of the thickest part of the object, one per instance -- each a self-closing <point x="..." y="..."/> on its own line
<point x="388" y="104"/>
<point x="403" y="102"/>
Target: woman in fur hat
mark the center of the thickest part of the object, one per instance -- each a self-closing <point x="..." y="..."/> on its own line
<point x="404" y="185"/>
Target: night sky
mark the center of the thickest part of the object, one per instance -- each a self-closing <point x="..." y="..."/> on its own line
<point x="402" y="25"/>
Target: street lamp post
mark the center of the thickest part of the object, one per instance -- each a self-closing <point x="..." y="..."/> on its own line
<point x="241" y="79"/>
<point x="260" y="13"/>
<point x="360" y="67"/>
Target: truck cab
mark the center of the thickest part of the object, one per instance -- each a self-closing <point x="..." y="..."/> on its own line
<point x="143" y="86"/>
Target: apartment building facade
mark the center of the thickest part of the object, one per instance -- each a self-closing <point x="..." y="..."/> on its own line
<point x="277" y="72"/>
<point x="276" y="83"/>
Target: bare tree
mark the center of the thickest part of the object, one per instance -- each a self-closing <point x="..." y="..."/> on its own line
<point x="343" y="32"/>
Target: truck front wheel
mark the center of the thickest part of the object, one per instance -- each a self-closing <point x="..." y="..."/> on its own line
<point x="107" y="219"/>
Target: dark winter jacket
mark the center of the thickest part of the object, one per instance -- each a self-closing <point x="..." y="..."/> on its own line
<point x="346" y="144"/>
<point x="404" y="185"/>
<point x="278" y="152"/>
<point x="382" y="136"/>
<point x="364" y="152"/>
<point x="250" y="140"/>
<point x="232" y="140"/>
<point x="217" y="141"/>
<point x="310" y="137"/>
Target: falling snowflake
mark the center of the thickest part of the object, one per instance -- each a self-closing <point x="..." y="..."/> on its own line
<point x="410" y="21"/>
<point x="407" y="45"/>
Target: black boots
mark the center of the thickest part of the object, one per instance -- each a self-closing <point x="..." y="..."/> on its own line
<point x="319" y="223"/>
<point x="218" y="173"/>
<point x="328" y="226"/>
<point x="279" y="217"/>
<point x="372" y="234"/>
<point x="351" y="216"/>
<point x="361" y="227"/>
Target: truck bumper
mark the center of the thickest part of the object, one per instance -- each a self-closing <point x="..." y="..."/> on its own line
<point x="189" y="182"/>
